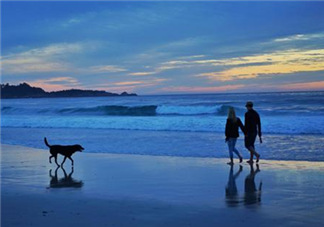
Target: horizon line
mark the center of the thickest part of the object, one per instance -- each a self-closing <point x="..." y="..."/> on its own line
<point x="166" y="94"/>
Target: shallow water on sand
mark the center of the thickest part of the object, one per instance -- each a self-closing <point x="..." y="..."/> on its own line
<point x="183" y="144"/>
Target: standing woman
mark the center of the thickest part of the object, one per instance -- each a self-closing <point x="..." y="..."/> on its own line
<point x="232" y="132"/>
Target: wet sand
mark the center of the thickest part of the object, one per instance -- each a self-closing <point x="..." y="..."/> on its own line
<point x="138" y="190"/>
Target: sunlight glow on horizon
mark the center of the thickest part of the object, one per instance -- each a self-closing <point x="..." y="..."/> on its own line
<point x="283" y="62"/>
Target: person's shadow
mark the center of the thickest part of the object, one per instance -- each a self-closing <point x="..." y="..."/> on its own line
<point x="232" y="198"/>
<point x="252" y="193"/>
<point x="65" y="182"/>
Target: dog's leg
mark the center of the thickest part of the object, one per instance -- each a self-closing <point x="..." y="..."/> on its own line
<point x="50" y="161"/>
<point x="65" y="175"/>
<point x="63" y="161"/>
<point x="72" y="171"/>
<point x="71" y="160"/>
<point x="57" y="168"/>
<point x="56" y="160"/>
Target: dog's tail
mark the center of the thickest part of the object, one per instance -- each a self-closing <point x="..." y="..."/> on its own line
<point x="45" y="140"/>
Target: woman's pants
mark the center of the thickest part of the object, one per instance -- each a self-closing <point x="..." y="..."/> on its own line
<point x="231" y="147"/>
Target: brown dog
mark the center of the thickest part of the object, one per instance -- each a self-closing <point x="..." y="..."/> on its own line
<point x="66" y="151"/>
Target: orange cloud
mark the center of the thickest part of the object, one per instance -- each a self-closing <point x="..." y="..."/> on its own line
<point x="37" y="60"/>
<point x="280" y="62"/>
<point x="142" y="73"/>
<point x="106" y="69"/>
<point x="203" y="89"/>
<point x="53" y="84"/>
<point x="319" y="85"/>
<point x="130" y="86"/>
<point x="127" y="83"/>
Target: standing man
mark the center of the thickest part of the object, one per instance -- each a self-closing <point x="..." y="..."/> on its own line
<point x="252" y="129"/>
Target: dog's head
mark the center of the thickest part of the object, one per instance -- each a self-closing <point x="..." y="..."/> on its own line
<point x="79" y="147"/>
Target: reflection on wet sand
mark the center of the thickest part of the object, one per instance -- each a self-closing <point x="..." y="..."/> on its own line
<point x="65" y="182"/>
<point x="232" y="198"/>
<point x="252" y="194"/>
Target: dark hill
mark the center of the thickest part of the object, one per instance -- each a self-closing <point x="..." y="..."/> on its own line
<point x="24" y="90"/>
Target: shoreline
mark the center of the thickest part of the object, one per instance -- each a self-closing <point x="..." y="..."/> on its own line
<point x="289" y="163"/>
<point x="165" y="143"/>
<point x="141" y="190"/>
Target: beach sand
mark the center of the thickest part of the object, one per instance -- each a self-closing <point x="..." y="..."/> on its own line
<point x="139" y="190"/>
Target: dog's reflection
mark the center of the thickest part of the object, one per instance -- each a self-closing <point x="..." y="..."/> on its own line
<point x="65" y="182"/>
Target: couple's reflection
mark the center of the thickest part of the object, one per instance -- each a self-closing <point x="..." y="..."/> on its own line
<point x="232" y="198"/>
<point x="252" y="194"/>
<point x="65" y="182"/>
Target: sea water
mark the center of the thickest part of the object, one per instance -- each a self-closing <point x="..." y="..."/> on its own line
<point x="176" y="125"/>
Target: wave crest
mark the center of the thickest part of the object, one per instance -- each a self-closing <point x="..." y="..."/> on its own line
<point x="121" y="110"/>
<point x="113" y="110"/>
<point x="150" y="110"/>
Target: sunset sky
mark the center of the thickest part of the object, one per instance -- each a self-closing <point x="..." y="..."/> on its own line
<point x="164" y="47"/>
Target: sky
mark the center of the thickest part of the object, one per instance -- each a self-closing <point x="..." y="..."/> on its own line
<point x="156" y="47"/>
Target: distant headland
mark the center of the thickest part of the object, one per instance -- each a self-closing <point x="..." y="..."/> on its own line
<point x="24" y="90"/>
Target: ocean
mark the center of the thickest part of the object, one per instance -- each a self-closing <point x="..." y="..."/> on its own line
<point x="174" y="125"/>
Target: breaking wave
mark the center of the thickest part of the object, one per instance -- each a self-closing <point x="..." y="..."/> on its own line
<point x="116" y="110"/>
